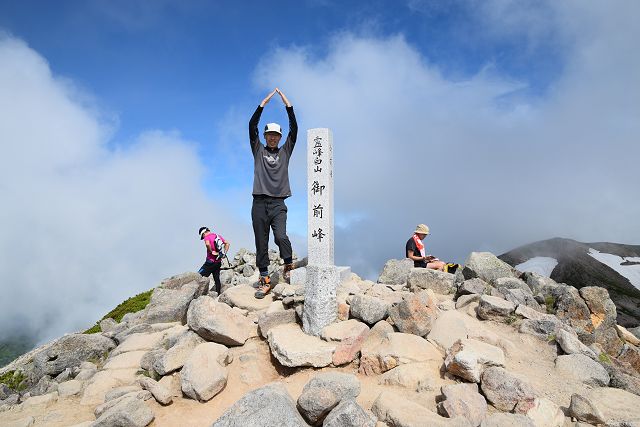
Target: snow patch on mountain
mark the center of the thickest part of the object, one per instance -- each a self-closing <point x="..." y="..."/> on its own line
<point x="631" y="272"/>
<point x="540" y="264"/>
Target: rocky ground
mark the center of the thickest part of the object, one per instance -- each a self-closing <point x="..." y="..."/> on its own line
<point x="488" y="347"/>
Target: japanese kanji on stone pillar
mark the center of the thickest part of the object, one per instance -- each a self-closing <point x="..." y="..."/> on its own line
<point x="320" y="307"/>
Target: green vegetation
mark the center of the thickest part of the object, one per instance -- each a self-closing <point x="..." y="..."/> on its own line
<point x="551" y="337"/>
<point x="132" y="305"/>
<point x="604" y="358"/>
<point x="511" y="319"/>
<point x="550" y="302"/>
<point x="14" y="380"/>
<point x="12" y="347"/>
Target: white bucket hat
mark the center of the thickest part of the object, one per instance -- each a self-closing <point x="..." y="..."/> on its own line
<point x="273" y="127"/>
<point x="422" y="229"/>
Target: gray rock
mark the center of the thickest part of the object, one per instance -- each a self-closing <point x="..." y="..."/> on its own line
<point x="507" y="420"/>
<point x="151" y="358"/>
<point x="412" y="315"/>
<point x="66" y="375"/>
<point x="545" y="329"/>
<point x="511" y="283"/>
<point x="44" y="386"/>
<point x="603" y="317"/>
<point x="426" y="278"/>
<point x="71" y="350"/>
<point x="535" y="314"/>
<point x="205" y="373"/>
<point x="414" y="376"/>
<point x="571" y="309"/>
<point x="465" y="401"/>
<point x="582" y="368"/>
<point x="323" y="392"/>
<point x="494" y="308"/>
<point x="397" y="411"/>
<point x="267" y="321"/>
<point x="218" y="322"/>
<point x="118" y="392"/>
<point x="618" y="407"/>
<point x="487" y="267"/>
<point x="507" y="392"/>
<point x="521" y="297"/>
<point x="472" y="286"/>
<point x="5" y="391"/>
<point x="464" y="300"/>
<point x="467" y="358"/>
<point x="368" y="309"/>
<point x="396" y="271"/>
<point x="247" y="270"/>
<point x="270" y="405"/>
<point x="174" y="358"/>
<point x="349" y="414"/>
<point x="160" y="393"/>
<point x="570" y="344"/>
<point x="292" y="347"/>
<point x="130" y="412"/>
<point x="108" y="324"/>
<point x="539" y="284"/>
<point x="170" y="305"/>
<point x="583" y="409"/>
<point x="178" y="281"/>
<point x="70" y="388"/>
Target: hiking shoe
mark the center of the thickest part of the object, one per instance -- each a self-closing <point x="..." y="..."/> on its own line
<point x="286" y="272"/>
<point x="264" y="287"/>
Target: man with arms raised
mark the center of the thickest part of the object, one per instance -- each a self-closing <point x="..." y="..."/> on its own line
<point x="270" y="189"/>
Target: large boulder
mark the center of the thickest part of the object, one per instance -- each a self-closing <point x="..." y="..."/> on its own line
<point x="159" y="392"/>
<point x="448" y="328"/>
<point x="617" y="407"/>
<point x="368" y="309"/>
<point x="494" y="308"/>
<point x="292" y="347"/>
<point x="349" y="414"/>
<point x="507" y="420"/>
<point x="603" y="318"/>
<point x="350" y="336"/>
<point x="69" y="351"/>
<point x="507" y="392"/>
<point x="631" y="355"/>
<point x="571" y="309"/>
<point x="487" y="267"/>
<point x="396" y="271"/>
<point x="205" y="373"/>
<point x="583" y="409"/>
<point x="539" y="284"/>
<point x="218" y="322"/>
<point x="243" y="296"/>
<point x="426" y="278"/>
<point x="472" y="286"/>
<point x="396" y="410"/>
<point x="570" y="344"/>
<point x="323" y="392"/>
<point x="269" y="320"/>
<point x="414" y="314"/>
<point x="270" y="405"/>
<point x="414" y="376"/>
<point x="396" y="349"/>
<point x="467" y="358"/>
<point x="582" y="368"/>
<point x="463" y="400"/>
<point x="130" y="412"/>
<point x="171" y="304"/>
<point x="545" y="413"/>
<point x="174" y="358"/>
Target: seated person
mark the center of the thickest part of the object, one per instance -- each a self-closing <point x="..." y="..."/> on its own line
<point x="415" y="250"/>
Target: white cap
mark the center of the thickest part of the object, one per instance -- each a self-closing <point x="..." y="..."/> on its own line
<point x="273" y="127"/>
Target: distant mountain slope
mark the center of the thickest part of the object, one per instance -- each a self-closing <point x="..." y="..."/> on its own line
<point x="12" y="347"/>
<point x="577" y="267"/>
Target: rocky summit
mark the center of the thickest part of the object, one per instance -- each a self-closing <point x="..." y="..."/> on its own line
<point x="488" y="346"/>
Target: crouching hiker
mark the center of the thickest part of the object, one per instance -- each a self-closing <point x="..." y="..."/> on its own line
<point x="270" y="189"/>
<point x="217" y="248"/>
<point x="415" y="250"/>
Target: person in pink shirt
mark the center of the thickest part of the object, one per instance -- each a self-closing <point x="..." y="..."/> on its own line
<point x="215" y="253"/>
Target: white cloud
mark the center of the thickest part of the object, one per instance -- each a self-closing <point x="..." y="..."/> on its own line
<point x="485" y="169"/>
<point x="85" y="226"/>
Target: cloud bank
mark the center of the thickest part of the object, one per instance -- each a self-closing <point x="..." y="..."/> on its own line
<point x="87" y="223"/>
<point x="486" y="167"/>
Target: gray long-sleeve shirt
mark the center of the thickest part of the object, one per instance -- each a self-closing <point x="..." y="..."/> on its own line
<point x="271" y="166"/>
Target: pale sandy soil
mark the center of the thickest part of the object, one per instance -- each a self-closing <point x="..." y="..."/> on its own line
<point x="528" y="357"/>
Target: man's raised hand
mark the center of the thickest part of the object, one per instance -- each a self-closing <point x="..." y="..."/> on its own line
<point x="284" y="98"/>
<point x="268" y="98"/>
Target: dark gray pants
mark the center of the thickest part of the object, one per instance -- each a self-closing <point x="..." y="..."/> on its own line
<point x="270" y="212"/>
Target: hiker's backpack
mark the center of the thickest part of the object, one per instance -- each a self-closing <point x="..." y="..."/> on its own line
<point x="218" y="246"/>
<point x="451" y="268"/>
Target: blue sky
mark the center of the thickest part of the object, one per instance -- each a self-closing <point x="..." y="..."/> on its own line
<point x="124" y="128"/>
